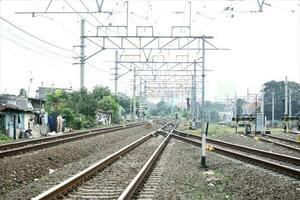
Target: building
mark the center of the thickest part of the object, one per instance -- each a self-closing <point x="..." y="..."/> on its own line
<point x="17" y="114"/>
<point x="43" y="92"/>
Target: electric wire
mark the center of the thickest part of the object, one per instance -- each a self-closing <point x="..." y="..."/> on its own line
<point x="35" y="45"/>
<point x="35" y="37"/>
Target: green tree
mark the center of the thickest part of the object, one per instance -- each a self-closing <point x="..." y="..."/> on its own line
<point x="108" y="103"/>
<point x="278" y="87"/>
<point x="239" y="106"/>
<point x="160" y="109"/>
<point x="124" y="101"/>
<point x="99" y="92"/>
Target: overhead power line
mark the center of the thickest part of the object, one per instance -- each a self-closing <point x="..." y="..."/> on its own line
<point x="35" y="37"/>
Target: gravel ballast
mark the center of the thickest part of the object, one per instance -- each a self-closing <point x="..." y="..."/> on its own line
<point x="226" y="178"/>
<point x="24" y="176"/>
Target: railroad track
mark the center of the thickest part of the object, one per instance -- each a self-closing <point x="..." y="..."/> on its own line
<point x="20" y="147"/>
<point x="108" y="178"/>
<point x="279" y="163"/>
<point x="279" y="141"/>
<point x="294" y="132"/>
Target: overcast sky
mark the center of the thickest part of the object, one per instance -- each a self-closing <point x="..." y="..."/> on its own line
<point x="263" y="46"/>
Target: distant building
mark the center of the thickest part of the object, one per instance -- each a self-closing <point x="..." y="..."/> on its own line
<point x="250" y="108"/>
<point x="43" y="92"/>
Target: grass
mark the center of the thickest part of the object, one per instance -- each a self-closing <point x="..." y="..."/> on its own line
<point x="215" y="130"/>
<point x="4" y="138"/>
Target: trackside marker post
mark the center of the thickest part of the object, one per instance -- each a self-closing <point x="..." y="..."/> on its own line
<point x="203" y="155"/>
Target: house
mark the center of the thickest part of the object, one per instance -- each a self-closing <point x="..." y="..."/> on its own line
<point x="14" y="120"/>
<point x="43" y="92"/>
<point x="19" y="113"/>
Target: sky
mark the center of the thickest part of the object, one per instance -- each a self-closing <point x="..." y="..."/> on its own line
<point x="263" y="46"/>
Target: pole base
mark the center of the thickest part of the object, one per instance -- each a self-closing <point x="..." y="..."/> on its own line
<point x="203" y="162"/>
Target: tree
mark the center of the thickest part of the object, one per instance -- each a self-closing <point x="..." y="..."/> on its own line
<point x="239" y="107"/>
<point x="99" y="92"/>
<point x="22" y="92"/>
<point x="160" y="109"/>
<point x="278" y="87"/>
<point x="124" y="101"/>
<point x="108" y="103"/>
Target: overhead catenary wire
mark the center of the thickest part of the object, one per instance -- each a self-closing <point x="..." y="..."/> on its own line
<point x="35" y="37"/>
<point x="35" y="45"/>
<point x="79" y="14"/>
<point x="29" y="49"/>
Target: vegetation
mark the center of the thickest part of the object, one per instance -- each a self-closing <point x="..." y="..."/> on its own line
<point x="4" y="137"/>
<point x="79" y="108"/>
<point x="278" y="87"/>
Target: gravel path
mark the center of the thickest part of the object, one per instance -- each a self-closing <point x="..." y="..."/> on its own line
<point x="24" y="176"/>
<point x="225" y="179"/>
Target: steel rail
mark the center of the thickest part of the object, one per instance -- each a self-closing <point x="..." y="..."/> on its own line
<point x="278" y="143"/>
<point x="24" y="142"/>
<point x="146" y="170"/>
<point x="275" y="156"/>
<point x="281" y="139"/>
<point x="76" y="180"/>
<point x="295" y="132"/>
<point x="279" y="168"/>
<point x="59" y="140"/>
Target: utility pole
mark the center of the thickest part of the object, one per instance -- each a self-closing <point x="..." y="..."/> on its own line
<point x="172" y="105"/>
<point x="263" y="108"/>
<point x="235" y="111"/>
<point x="255" y="126"/>
<point x="203" y="156"/>
<point x="82" y="55"/>
<point x="182" y="103"/>
<point x="140" y="100"/>
<point x="273" y="108"/>
<point x="235" y="105"/>
<point x="290" y="102"/>
<point x="133" y="96"/>
<point x="145" y="97"/>
<point x="194" y="108"/>
<point x="286" y="96"/>
<point x="290" y="107"/>
<point x="116" y="73"/>
<point x="286" y="100"/>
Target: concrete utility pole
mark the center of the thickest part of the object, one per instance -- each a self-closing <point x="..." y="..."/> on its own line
<point x="235" y="105"/>
<point x="116" y="73"/>
<point x="263" y="107"/>
<point x="194" y="106"/>
<point x="140" y="99"/>
<point x="82" y="54"/>
<point x="273" y="108"/>
<point x="182" y="102"/>
<point x="290" y="107"/>
<point x="286" y="97"/>
<point x="290" y="102"/>
<point x="172" y="104"/>
<point x="203" y="156"/>
<point x="133" y="96"/>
